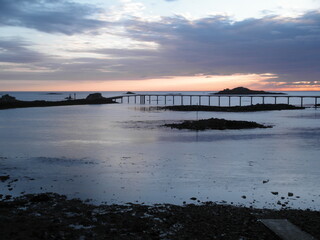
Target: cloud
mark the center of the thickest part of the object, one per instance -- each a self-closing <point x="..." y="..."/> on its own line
<point x="217" y="45"/>
<point x="59" y="16"/>
<point x="284" y="46"/>
<point x="17" y="51"/>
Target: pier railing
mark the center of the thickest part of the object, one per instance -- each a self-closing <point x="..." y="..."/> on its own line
<point x="215" y="100"/>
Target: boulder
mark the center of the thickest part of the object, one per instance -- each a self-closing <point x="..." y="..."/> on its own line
<point x="7" y="98"/>
<point x="94" y="96"/>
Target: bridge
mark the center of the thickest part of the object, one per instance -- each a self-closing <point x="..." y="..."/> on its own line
<point x="215" y="100"/>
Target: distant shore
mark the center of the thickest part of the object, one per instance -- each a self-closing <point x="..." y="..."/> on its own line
<point x="8" y="102"/>
<point x="53" y="216"/>
<point x="28" y="104"/>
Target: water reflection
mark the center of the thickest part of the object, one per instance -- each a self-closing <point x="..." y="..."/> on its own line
<point x="121" y="153"/>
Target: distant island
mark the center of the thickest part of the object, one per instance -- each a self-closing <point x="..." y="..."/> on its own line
<point x="7" y="102"/>
<point x="53" y="93"/>
<point x="243" y="90"/>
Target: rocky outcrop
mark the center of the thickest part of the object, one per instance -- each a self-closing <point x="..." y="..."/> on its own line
<point x="243" y="90"/>
<point x="215" y="123"/>
<point x="94" y="96"/>
<point x="7" y="98"/>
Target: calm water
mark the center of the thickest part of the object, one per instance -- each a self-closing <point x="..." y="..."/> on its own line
<point x="120" y="153"/>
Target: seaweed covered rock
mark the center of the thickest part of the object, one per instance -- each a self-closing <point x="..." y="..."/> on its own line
<point x="215" y="123"/>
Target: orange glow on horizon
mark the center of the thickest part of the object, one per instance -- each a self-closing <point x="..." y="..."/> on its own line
<point x="180" y="83"/>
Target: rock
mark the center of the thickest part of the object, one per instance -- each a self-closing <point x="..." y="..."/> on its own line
<point x="265" y="181"/>
<point x="244" y="196"/>
<point x="7" y="98"/>
<point x="215" y="123"/>
<point x="94" y="96"/>
<point x="290" y="194"/>
<point x="40" y="198"/>
<point x="193" y="198"/>
<point x="275" y="193"/>
<point x="4" y="178"/>
<point x="7" y="197"/>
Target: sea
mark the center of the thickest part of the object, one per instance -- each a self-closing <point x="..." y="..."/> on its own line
<point x="120" y="153"/>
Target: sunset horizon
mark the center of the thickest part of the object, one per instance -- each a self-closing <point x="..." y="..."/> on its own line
<point x="159" y="119"/>
<point x="167" y="45"/>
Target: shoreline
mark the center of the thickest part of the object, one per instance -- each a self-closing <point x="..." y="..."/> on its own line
<point x="42" y="103"/>
<point x="53" y="216"/>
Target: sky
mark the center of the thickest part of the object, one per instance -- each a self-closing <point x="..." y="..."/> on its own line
<point x="159" y="45"/>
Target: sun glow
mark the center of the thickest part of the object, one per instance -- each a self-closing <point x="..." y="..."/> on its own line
<point x="178" y="83"/>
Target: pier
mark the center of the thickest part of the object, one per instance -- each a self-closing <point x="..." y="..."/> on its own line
<point x="216" y="100"/>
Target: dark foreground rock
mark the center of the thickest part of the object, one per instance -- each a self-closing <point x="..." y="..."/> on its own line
<point x="243" y="90"/>
<point x="249" y="108"/>
<point x="91" y="99"/>
<point x="215" y="123"/>
<point x="52" y="216"/>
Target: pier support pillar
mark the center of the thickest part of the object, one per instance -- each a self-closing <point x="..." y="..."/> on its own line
<point x="219" y="102"/>
<point x="262" y="100"/>
<point x="229" y="101"/>
<point x="288" y="101"/>
<point x="209" y="100"/>
<point x="181" y="100"/>
<point x="190" y="100"/>
<point x="301" y="101"/>
<point x="142" y="99"/>
<point x="240" y="101"/>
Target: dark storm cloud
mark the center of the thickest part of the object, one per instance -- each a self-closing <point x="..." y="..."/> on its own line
<point x="51" y="16"/>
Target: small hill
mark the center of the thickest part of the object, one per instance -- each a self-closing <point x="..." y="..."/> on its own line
<point x="243" y="90"/>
